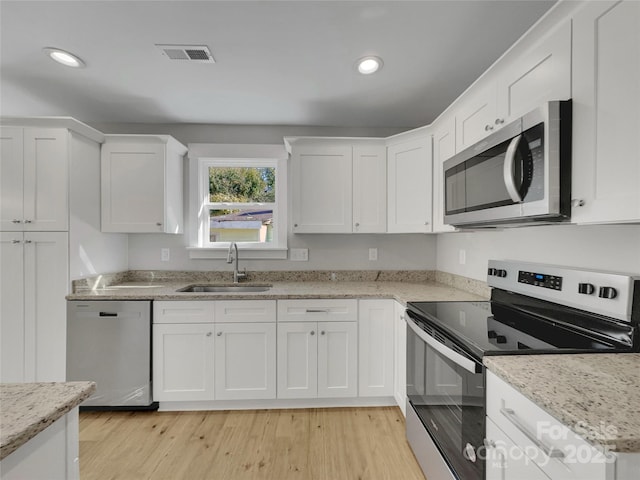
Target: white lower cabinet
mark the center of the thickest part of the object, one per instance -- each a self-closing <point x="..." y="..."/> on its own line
<point x="33" y="283"/>
<point x="245" y="361"/>
<point x="526" y="442"/>
<point x="317" y="359"/>
<point x="506" y="461"/>
<point x="214" y="350"/>
<point x="400" y="356"/>
<point x="183" y="356"/>
<point x="375" y="348"/>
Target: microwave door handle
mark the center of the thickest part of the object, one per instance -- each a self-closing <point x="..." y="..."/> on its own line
<point x="508" y="170"/>
<point x="455" y="357"/>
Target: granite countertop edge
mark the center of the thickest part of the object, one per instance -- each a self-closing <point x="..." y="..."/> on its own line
<point x="402" y="292"/>
<point x="29" y="408"/>
<point x="596" y="410"/>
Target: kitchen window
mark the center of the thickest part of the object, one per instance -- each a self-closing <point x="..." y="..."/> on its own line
<point x="242" y="200"/>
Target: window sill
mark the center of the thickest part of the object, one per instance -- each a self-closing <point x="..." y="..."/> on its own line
<point x="244" y="253"/>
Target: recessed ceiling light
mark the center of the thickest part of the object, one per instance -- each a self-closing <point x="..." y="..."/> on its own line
<point x="369" y="65"/>
<point x="65" y="58"/>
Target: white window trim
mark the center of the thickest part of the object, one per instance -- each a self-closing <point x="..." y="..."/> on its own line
<point x="250" y="250"/>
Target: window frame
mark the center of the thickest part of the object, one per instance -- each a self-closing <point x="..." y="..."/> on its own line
<point x="204" y="248"/>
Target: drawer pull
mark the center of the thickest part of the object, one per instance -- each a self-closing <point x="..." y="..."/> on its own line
<point x="317" y="310"/>
<point x="550" y="452"/>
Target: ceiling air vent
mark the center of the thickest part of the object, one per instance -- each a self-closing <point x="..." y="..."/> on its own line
<point x="192" y="53"/>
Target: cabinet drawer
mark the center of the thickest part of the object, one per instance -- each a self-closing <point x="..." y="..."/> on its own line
<point x="533" y="430"/>
<point x="242" y="311"/>
<point x="190" y="311"/>
<point x="310" y="310"/>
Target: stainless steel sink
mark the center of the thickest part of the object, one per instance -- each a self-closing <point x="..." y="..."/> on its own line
<point x="225" y="288"/>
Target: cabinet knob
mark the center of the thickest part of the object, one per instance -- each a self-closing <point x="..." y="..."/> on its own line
<point x="488" y="128"/>
<point x="499" y="121"/>
<point x="27" y="241"/>
<point x="322" y="332"/>
<point x="15" y="241"/>
<point x="158" y="224"/>
<point x="577" y="202"/>
<point x="295" y="225"/>
<point x="357" y="224"/>
<point x="426" y="223"/>
<point x="219" y="334"/>
<point x="28" y="221"/>
<point x="209" y="334"/>
<point x="312" y="332"/>
<point x="15" y="220"/>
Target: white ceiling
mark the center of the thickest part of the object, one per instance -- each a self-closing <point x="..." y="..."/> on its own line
<point x="277" y="62"/>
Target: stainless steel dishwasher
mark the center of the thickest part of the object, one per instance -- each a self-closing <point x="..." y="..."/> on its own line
<point x="109" y="342"/>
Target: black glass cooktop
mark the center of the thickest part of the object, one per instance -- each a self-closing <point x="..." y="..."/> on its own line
<point x="522" y="325"/>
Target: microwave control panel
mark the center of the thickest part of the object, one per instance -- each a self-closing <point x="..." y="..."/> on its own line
<point x="540" y="280"/>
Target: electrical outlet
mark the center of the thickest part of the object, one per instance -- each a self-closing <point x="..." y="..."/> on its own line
<point x="299" y="255"/>
<point x="462" y="257"/>
<point x="165" y="255"/>
<point x="373" y="254"/>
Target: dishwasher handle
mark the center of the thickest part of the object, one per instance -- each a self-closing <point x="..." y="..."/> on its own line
<point x="108" y="314"/>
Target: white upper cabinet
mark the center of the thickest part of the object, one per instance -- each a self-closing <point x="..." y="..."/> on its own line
<point x="444" y="147"/>
<point x="322" y="176"/>
<point x="409" y="185"/>
<point x="606" y="113"/>
<point x="369" y="189"/>
<point x="34" y="179"/>
<point x="521" y="82"/>
<point x="339" y="187"/>
<point x="142" y="184"/>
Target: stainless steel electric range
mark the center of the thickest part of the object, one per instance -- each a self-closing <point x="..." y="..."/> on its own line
<point x="534" y="309"/>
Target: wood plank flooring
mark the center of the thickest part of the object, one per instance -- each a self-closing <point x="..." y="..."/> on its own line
<point x="304" y="444"/>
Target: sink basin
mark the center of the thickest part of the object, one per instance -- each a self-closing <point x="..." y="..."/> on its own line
<point x="225" y="288"/>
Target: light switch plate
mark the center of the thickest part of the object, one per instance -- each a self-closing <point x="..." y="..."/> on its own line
<point x="299" y="254"/>
<point x="165" y="255"/>
<point x="373" y="254"/>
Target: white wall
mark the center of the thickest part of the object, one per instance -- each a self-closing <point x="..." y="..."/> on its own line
<point x="90" y="251"/>
<point x="600" y="247"/>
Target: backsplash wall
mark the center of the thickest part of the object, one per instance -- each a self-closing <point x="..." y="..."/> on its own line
<point x="598" y="247"/>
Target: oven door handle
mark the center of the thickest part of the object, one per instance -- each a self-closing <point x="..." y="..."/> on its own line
<point x="508" y="169"/>
<point x="466" y="363"/>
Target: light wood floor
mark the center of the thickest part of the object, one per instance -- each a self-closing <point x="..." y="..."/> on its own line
<point x="308" y="444"/>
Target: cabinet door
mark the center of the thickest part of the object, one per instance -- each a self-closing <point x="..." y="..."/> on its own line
<point x="337" y="359"/>
<point x="11" y="307"/>
<point x="540" y="74"/>
<point x="375" y="348"/>
<point x="444" y="147"/>
<point x="400" y="363"/>
<point x="183" y="362"/>
<point x="409" y="187"/>
<point x="322" y="189"/>
<point x="11" y="178"/>
<point x="507" y="461"/>
<point x="245" y="361"/>
<point x="606" y="113"/>
<point x="476" y="116"/>
<point x="369" y="189"/>
<point x="46" y="179"/>
<point x="46" y="280"/>
<point x="297" y="360"/>
<point x="133" y="187"/>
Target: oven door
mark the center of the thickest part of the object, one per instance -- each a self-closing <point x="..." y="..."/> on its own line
<point x="445" y="389"/>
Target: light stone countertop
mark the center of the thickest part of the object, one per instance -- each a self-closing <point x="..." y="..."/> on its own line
<point x="596" y="395"/>
<point x="28" y="408"/>
<point x="400" y="291"/>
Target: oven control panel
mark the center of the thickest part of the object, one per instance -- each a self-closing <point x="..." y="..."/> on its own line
<point x="540" y="280"/>
<point x="612" y="294"/>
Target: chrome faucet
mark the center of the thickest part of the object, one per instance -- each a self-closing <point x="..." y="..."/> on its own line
<point x="237" y="275"/>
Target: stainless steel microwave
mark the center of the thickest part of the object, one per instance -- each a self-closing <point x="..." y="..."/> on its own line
<point x="519" y="175"/>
